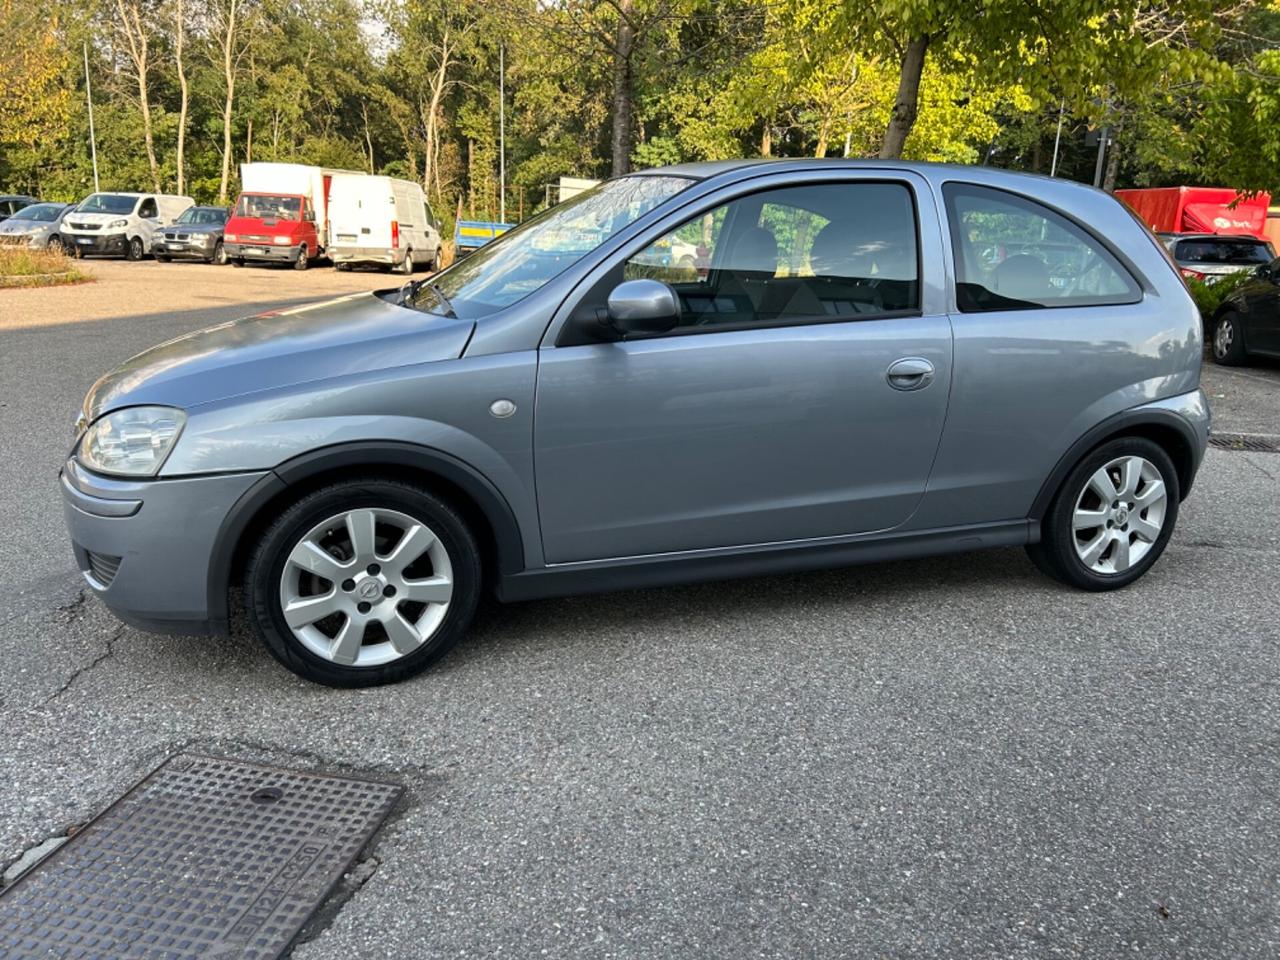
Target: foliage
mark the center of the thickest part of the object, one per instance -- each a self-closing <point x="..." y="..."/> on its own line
<point x="1209" y="296"/>
<point x="1190" y="89"/>
<point x="22" y="266"/>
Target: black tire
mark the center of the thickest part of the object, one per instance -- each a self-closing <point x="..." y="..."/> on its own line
<point x="1226" y="342"/>
<point x="405" y="266"/>
<point x="436" y="260"/>
<point x="267" y="565"/>
<point x="238" y="262"/>
<point x="77" y="253"/>
<point x="1056" y="554"/>
<point x="342" y="267"/>
<point x="303" y="260"/>
<point x="134" y="250"/>
<point x="219" y="254"/>
<point x="160" y="259"/>
<point x="55" y="245"/>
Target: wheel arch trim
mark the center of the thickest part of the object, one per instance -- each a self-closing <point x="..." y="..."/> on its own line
<point x="1139" y="421"/>
<point x="484" y="496"/>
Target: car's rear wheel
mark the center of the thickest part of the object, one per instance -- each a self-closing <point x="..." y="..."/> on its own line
<point x="406" y="265"/>
<point x="437" y="260"/>
<point x="1228" y="340"/>
<point x="364" y="582"/>
<point x="1112" y="517"/>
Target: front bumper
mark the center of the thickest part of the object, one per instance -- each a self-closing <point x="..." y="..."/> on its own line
<point x="183" y="249"/>
<point x="259" y="251"/>
<point x="145" y="546"/>
<point x="95" y="243"/>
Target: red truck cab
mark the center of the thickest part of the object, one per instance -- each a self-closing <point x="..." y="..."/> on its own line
<point x="273" y="227"/>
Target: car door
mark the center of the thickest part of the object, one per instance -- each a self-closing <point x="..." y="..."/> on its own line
<point x="802" y="395"/>
<point x="148" y="221"/>
<point x="1262" y="320"/>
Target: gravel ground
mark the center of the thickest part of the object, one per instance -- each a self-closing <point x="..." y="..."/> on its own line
<point x="943" y="758"/>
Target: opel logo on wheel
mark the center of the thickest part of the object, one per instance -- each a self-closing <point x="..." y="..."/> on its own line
<point x="369" y="589"/>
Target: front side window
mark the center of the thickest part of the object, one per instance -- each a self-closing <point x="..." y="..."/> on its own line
<point x="1012" y="253"/>
<point x="525" y="259"/>
<point x="148" y="209"/>
<point x="810" y="253"/>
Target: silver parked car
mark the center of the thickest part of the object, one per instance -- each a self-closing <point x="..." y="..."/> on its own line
<point x="37" y="225"/>
<point x="864" y="361"/>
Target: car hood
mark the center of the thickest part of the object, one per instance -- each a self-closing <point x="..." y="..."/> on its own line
<point x="13" y="225"/>
<point x="351" y="335"/>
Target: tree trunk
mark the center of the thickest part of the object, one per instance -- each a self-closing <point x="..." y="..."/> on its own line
<point x="179" y="35"/>
<point x="906" y="106"/>
<point x="766" y="139"/>
<point x="824" y="135"/>
<point x="623" y="136"/>
<point x="439" y="83"/>
<point x="1113" y="159"/>
<point x="136" y="37"/>
<point x="227" y="41"/>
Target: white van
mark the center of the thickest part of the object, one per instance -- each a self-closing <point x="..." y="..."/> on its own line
<point x="381" y="220"/>
<point x="120" y="224"/>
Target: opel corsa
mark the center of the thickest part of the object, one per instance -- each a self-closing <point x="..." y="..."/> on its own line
<point x="704" y="371"/>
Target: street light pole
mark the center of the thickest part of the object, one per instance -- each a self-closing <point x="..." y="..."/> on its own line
<point x="1103" y="134"/>
<point x="93" y="143"/>
<point x="1057" y="139"/>
<point x="502" y="133"/>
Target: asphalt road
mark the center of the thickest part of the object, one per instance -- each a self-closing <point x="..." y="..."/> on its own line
<point x="944" y="758"/>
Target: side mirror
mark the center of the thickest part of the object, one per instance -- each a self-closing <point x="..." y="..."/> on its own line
<point x="643" y="306"/>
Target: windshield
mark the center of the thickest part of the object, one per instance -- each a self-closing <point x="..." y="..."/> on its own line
<point x="40" y="212"/>
<point x="263" y="206"/>
<point x="107" y="203"/>
<point x="521" y="261"/>
<point x="1224" y="250"/>
<point x="202" y="215"/>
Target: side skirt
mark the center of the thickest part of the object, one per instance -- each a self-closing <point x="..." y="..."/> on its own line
<point x="600" y="576"/>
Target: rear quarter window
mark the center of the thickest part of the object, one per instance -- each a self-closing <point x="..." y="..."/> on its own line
<point x="1223" y="251"/>
<point x="1012" y="253"/>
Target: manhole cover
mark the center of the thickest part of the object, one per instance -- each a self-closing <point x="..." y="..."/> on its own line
<point x="1245" y="441"/>
<point x="204" y="858"/>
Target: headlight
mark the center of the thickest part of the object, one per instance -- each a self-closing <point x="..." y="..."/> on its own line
<point x="231" y="237"/>
<point x="118" y="223"/>
<point x="133" y="442"/>
<point x="280" y="241"/>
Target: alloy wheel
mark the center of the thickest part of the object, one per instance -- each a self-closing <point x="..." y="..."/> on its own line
<point x="1223" y="336"/>
<point x="1119" y="514"/>
<point x="366" y="587"/>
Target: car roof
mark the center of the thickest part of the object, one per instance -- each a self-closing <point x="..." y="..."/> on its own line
<point x="1215" y="236"/>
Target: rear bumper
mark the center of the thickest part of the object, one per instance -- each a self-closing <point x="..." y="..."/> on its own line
<point x="264" y="252"/>
<point x="366" y="255"/>
<point x="110" y="243"/>
<point x="145" y="547"/>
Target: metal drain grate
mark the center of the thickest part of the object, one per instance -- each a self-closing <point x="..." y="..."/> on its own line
<point x="204" y="858"/>
<point x="1245" y="441"/>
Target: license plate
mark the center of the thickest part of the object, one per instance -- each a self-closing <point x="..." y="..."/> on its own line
<point x="84" y="240"/>
<point x="256" y="249"/>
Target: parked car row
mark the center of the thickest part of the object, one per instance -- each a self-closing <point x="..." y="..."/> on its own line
<point x="286" y="213"/>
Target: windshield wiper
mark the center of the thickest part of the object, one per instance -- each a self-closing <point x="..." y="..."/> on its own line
<point x="411" y="288"/>
<point x="444" y="301"/>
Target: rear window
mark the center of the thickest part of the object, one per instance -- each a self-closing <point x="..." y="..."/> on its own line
<point x="1237" y="252"/>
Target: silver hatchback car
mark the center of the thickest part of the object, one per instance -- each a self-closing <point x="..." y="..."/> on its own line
<point x="704" y="371"/>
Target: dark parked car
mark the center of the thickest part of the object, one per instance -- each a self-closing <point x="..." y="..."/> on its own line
<point x="1248" y="322"/>
<point x="195" y="235"/>
<point x="1211" y="256"/>
<point x="12" y="203"/>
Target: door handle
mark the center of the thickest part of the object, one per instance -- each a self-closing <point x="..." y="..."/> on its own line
<point x="910" y="373"/>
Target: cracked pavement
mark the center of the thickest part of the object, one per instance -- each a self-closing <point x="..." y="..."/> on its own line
<point x="943" y="758"/>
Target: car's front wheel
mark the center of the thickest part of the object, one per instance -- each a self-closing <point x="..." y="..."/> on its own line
<point x="134" y="249"/>
<point x="1112" y="517"/>
<point x="219" y="254"/>
<point x="364" y="582"/>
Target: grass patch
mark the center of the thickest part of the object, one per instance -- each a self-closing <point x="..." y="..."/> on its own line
<point x="24" y="267"/>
